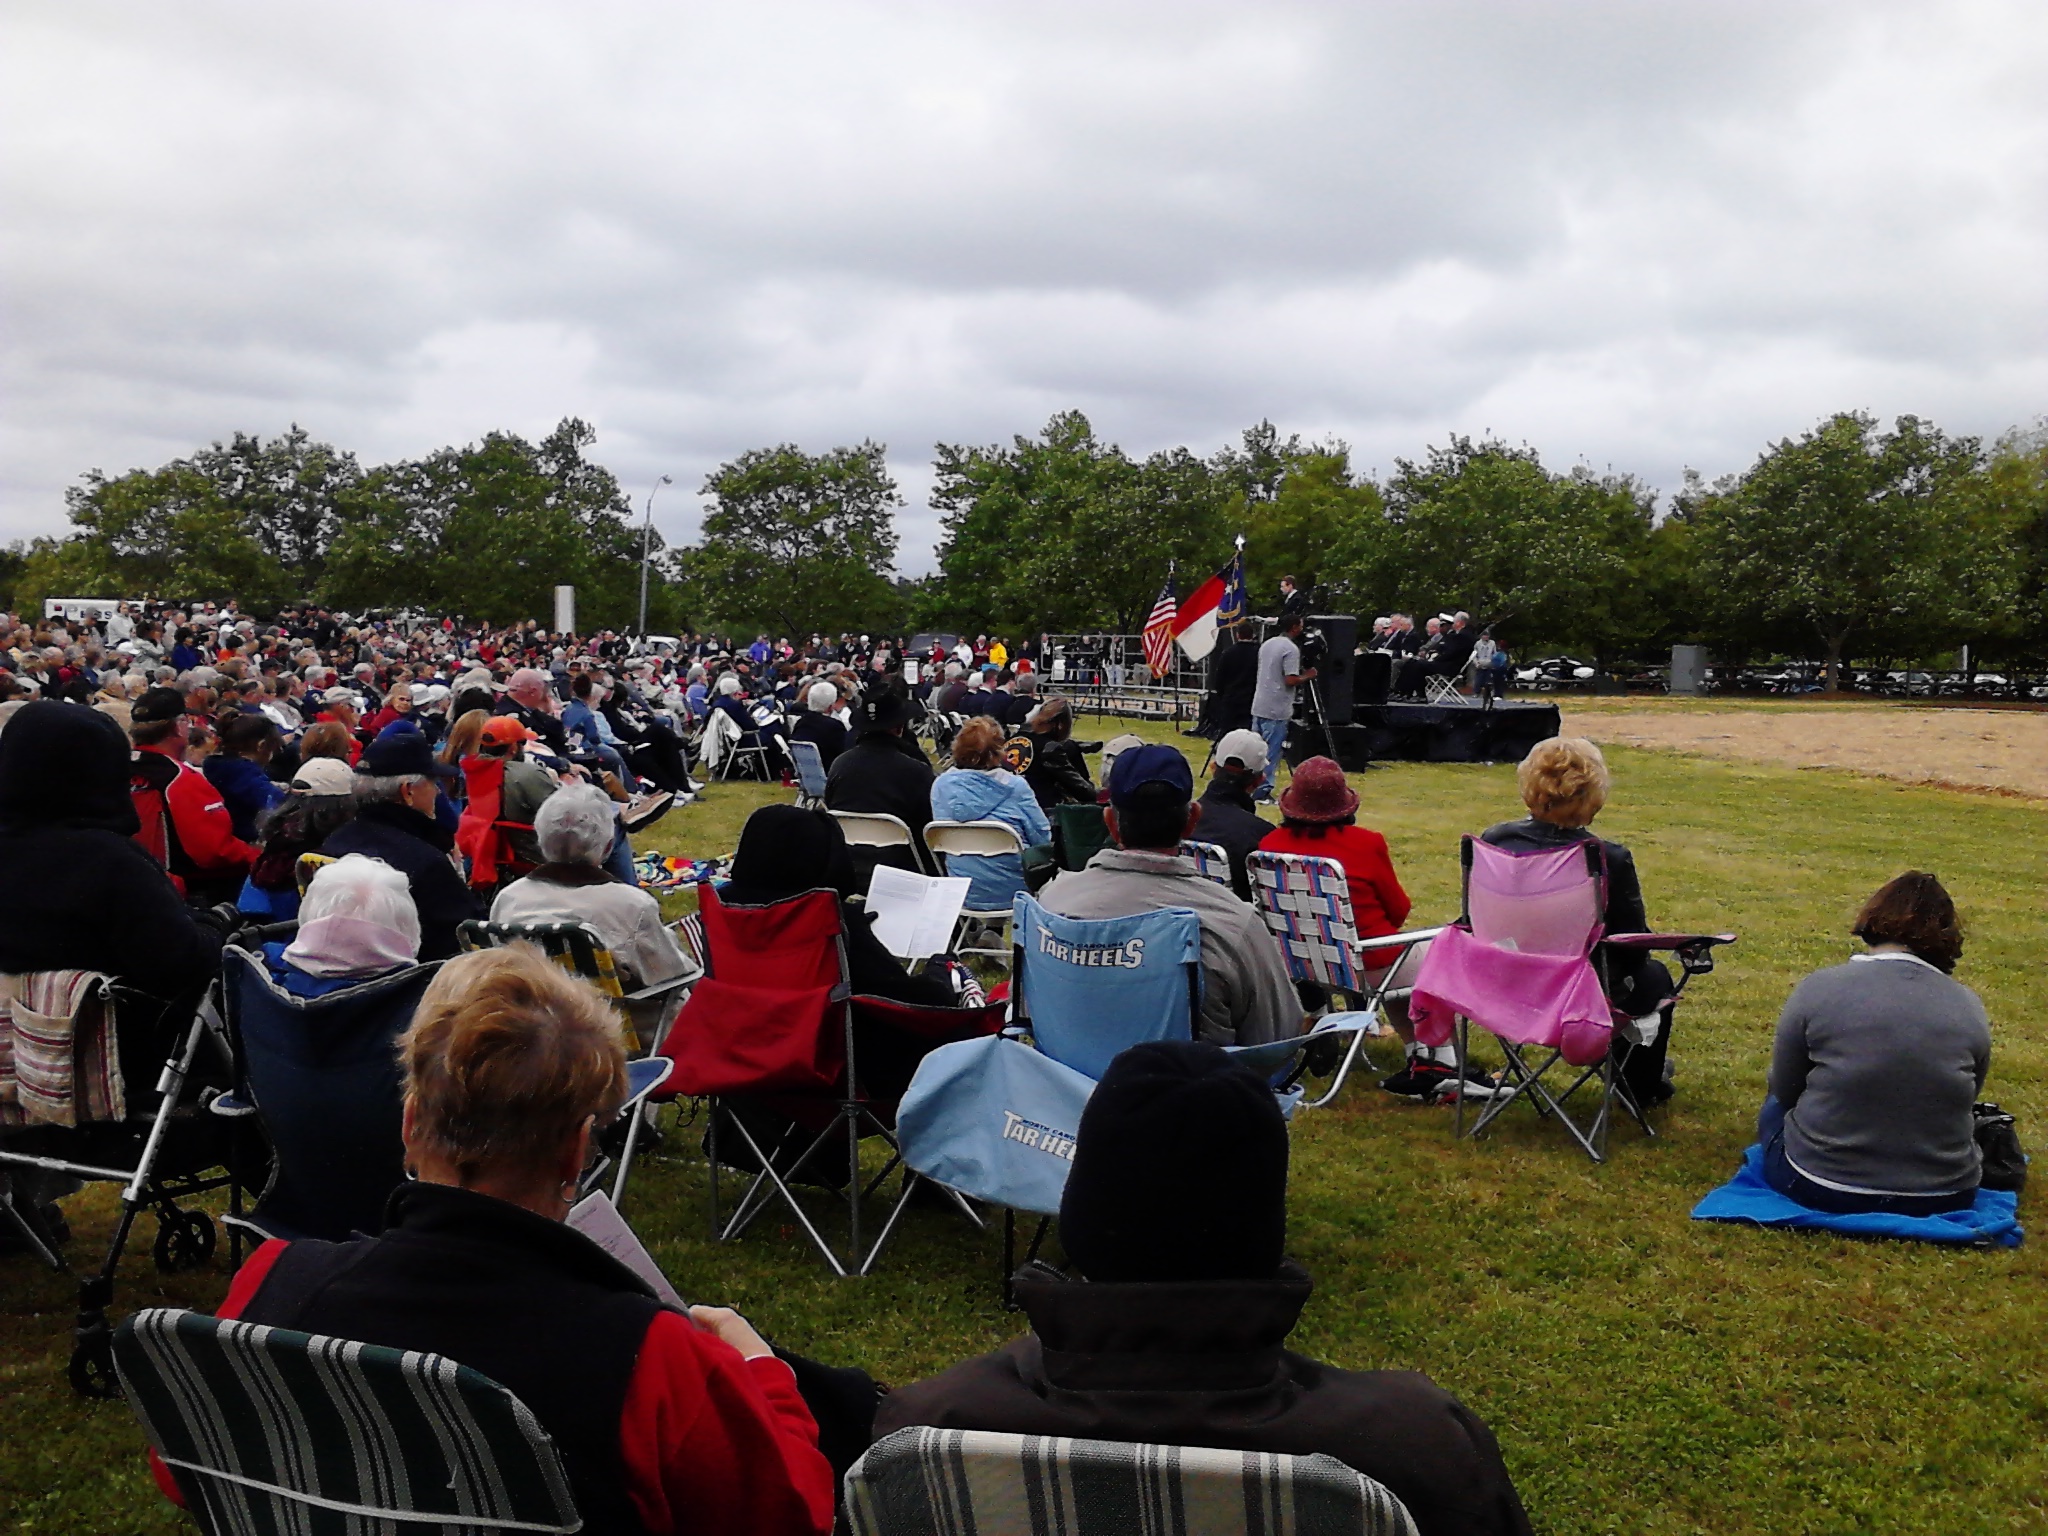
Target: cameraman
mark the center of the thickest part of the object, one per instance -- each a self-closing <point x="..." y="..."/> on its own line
<point x="1280" y="673"/>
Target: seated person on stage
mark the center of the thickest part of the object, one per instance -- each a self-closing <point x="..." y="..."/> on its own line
<point x="1058" y="771"/>
<point x="575" y="827"/>
<point x="1876" y="1065"/>
<point x="356" y="923"/>
<point x="1171" y="1323"/>
<point x="883" y="772"/>
<point x="979" y="788"/>
<point x="1228" y="819"/>
<point x="1408" y="680"/>
<point x="1564" y="784"/>
<point x="1247" y="998"/>
<point x="665" y="1423"/>
<point x="818" y="723"/>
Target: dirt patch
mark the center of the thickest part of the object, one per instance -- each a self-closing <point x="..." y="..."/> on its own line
<point x="2003" y="752"/>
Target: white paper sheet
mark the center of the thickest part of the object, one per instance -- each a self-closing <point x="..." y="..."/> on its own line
<point x="915" y="914"/>
<point x="599" y="1220"/>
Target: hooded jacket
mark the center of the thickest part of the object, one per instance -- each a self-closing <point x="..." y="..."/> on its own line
<point x="1202" y="1363"/>
<point x="975" y="794"/>
<point x="97" y="901"/>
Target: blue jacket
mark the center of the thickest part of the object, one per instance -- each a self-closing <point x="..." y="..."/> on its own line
<point x="996" y="794"/>
<point x="245" y="789"/>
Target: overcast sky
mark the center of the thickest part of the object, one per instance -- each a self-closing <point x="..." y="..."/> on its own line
<point x="1642" y="235"/>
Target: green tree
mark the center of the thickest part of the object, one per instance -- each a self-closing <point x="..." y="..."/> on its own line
<point x="1866" y="538"/>
<point x="13" y="563"/>
<point x="1314" y="507"/>
<point x="2006" y="502"/>
<point x="797" y="542"/>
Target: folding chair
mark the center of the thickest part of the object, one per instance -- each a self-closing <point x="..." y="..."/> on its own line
<point x="1528" y="962"/>
<point x="726" y="746"/>
<point x="949" y="840"/>
<point x="482" y="835"/>
<point x="1438" y="689"/>
<point x="773" y="1023"/>
<point x="810" y="773"/>
<point x="878" y="829"/>
<point x="266" y="1429"/>
<point x="76" y="1078"/>
<point x="1306" y="904"/>
<point x="921" y="1481"/>
<point x="1212" y="860"/>
<point x="1079" y="832"/>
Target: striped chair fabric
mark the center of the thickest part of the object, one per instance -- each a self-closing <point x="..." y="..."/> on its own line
<point x="1211" y="861"/>
<point x="956" y="1482"/>
<point x="60" y="1054"/>
<point x="575" y="947"/>
<point x="1306" y="903"/>
<point x="268" y="1431"/>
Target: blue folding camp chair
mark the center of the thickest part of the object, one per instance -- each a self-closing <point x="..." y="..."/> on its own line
<point x="810" y="773"/>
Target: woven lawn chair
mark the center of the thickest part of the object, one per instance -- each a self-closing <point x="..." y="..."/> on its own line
<point x="307" y="866"/>
<point x="1306" y="904"/>
<point x="265" y="1429"/>
<point x="81" y="1096"/>
<point x="1212" y="861"/>
<point x="810" y="773"/>
<point x="949" y="840"/>
<point x="1527" y="962"/>
<point x="963" y="1482"/>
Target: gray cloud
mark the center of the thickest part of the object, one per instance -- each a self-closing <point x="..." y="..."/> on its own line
<point x="1646" y="235"/>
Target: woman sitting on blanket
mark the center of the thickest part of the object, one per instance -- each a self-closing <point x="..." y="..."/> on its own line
<point x="1876" y="1065"/>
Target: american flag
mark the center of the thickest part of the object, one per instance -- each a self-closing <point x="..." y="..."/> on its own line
<point x="1159" y="632"/>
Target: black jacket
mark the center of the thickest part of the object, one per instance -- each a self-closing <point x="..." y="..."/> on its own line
<point x="1201" y="1363"/>
<point x="829" y="735"/>
<point x="1229" y="820"/>
<point x="406" y="840"/>
<point x="1058" y="774"/>
<point x="875" y="773"/>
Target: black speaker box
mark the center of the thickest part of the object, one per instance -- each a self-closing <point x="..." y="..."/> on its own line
<point x="1334" y="677"/>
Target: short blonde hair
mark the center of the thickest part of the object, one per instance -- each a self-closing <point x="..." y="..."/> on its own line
<point x="507" y="1055"/>
<point x="979" y="744"/>
<point x="1563" y="781"/>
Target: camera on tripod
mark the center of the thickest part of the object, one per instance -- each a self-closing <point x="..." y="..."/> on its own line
<point x="1315" y="647"/>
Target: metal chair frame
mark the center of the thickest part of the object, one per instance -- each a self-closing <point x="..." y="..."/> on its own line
<point x="1212" y="860"/>
<point x="984" y="839"/>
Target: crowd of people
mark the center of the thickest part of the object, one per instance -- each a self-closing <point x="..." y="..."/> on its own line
<point x="180" y="766"/>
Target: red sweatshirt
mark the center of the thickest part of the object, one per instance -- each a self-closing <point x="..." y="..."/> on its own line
<point x="205" y="829"/>
<point x="1378" y="904"/>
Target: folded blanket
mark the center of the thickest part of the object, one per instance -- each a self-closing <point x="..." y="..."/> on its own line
<point x="1993" y="1222"/>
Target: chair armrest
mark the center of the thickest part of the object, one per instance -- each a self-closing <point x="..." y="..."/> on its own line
<point x="643" y="1075"/>
<point x="661" y="989"/>
<point x="230" y="1107"/>
<point x="1398" y="943"/>
<point x="1667" y="940"/>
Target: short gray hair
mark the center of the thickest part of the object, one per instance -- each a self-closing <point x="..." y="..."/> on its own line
<point x="823" y="698"/>
<point x="575" y="825"/>
<point x="378" y="789"/>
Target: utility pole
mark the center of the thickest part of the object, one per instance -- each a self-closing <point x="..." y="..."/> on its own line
<point x="646" y="544"/>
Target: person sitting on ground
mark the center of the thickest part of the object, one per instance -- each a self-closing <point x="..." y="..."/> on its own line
<point x="575" y="827"/>
<point x="1057" y="771"/>
<point x="1247" y="998"/>
<point x="249" y="743"/>
<point x="978" y="788"/>
<point x="200" y="848"/>
<point x="665" y="1423"/>
<point x="1170" y="1326"/>
<point x="396" y="787"/>
<point x="1564" y="783"/>
<point x="818" y="725"/>
<point x="1228" y="817"/>
<point x="1876" y="1065"/>
<point x="881" y="772"/>
<point x="320" y="799"/>
<point x="357" y="923"/>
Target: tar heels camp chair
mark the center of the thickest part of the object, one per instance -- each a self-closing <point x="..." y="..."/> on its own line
<point x="1212" y="862"/>
<point x="964" y="1482"/>
<point x="1306" y="904"/>
<point x="1527" y="963"/>
<point x="810" y="773"/>
<point x="950" y="840"/>
<point x="266" y="1429"/>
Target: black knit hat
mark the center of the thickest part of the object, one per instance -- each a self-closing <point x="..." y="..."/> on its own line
<point x="1180" y="1170"/>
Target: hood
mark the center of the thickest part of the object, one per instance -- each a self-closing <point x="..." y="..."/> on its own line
<point x="976" y="794"/>
<point x="1227" y="1333"/>
<point x="64" y="766"/>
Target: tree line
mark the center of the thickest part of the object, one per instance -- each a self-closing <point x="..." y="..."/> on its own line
<point x="1851" y="542"/>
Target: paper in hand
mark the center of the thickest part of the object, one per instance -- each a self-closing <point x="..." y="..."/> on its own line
<point x="599" y="1220"/>
<point x="915" y="914"/>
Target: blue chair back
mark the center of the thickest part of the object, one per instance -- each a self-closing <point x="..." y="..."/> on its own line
<point x="324" y="1076"/>
<point x="1092" y="987"/>
<point x="810" y="768"/>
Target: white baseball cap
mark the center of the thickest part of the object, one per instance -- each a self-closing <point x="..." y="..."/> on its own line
<point x="1247" y="748"/>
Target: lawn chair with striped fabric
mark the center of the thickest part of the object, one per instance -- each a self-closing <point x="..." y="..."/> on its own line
<point x="810" y="773"/>
<point x="265" y="1429"/>
<point x="1306" y="903"/>
<point x="964" y="1482"/>
<point x="1211" y="861"/>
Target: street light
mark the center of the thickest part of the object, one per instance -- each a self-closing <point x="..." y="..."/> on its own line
<point x="646" y="542"/>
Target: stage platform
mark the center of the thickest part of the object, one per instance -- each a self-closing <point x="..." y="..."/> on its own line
<point x="1432" y="733"/>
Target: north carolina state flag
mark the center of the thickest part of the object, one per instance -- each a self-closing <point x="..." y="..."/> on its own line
<point x="1217" y="604"/>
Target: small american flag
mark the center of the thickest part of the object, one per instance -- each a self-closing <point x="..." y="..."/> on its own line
<point x="1159" y="632"/>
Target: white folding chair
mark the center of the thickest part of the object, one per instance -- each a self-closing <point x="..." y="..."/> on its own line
<point x="878" y="829"/>
<point x="977" y="839"/>
<point x="1306" y="903"/>
<point x="1211" y="861"/>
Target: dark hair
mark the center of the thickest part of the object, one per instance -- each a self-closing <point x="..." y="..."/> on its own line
<point x="244" y="735"/>
<point x="1915" y="911"/>
<point x="1289" y="623"/>
<point x="1317" y="828"/>
<point x="580" y="685"/>
<point x="1157" y="817"/>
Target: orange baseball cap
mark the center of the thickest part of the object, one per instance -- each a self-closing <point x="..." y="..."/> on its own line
<point x="506" y="731"/>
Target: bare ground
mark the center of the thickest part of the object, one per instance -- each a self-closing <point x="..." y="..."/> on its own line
<point x="1999" y="751"/>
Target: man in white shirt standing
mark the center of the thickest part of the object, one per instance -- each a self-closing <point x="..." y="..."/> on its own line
<point x="1280" y="673"/>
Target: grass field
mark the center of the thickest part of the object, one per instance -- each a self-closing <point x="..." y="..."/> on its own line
<point x="1644" y="1373"/>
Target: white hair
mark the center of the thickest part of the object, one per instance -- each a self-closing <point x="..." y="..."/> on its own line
<point x="728" y="684"/>
<point x="356" y="885"/>
<point x="823" y="697"/>
<point x="575" y="825"/>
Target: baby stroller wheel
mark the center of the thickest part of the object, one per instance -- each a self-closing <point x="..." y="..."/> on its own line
<point x="184" y="1240"/>
<point x="92" y="1364"/>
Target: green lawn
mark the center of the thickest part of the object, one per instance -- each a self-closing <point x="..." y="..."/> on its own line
<point x="1644" y="1373"/>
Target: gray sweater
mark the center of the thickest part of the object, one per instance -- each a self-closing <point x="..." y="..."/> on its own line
<point x="1876" y="1064"/>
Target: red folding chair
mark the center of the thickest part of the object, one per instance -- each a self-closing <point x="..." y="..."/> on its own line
<point x="774" y="1023"/>
<point x="482" y="836"/>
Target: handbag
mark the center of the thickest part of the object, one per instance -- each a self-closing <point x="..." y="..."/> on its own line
<point x="1998" y="1143"/>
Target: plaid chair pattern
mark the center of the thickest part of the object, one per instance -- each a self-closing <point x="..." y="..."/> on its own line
<point x="60" y="1060"/>
<point x="1307" y="905"/>
<point x="955" y="1482"/>
<point x="1211" y="862"/>
<point x="268" y="1430"/>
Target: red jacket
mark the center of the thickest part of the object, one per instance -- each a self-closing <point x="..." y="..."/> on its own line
<point x="1378" y="904"/>
<point x="205" y="830"/>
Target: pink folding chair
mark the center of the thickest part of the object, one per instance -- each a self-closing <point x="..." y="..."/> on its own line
<point x="1527" y="963"/>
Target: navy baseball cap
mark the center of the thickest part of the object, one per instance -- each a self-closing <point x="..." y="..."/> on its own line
<point x="1138" y="766"/>
<point x="401" y="750"/>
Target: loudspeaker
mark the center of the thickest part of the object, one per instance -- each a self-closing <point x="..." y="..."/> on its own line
<point x="1373" y="681"/>
<point x="1334" y="678"/>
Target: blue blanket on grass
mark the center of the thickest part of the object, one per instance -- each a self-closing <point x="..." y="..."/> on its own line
<point x="1993" y="1222"/>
